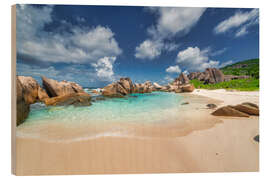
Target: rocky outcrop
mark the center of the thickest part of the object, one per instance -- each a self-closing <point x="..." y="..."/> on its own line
<point x="114" y="90"/>
<point x="247" y="109"/>
<point x="251" y="104"/>
<point x="76" y="99"/>
<point x="210" y="76"/>
<point x="32" y="90"/>
<point x="57" y="93"/>
<point x="229" y="111"/>
<point x="157" y="86"/>
<point x="28" y="92"/>
<point x="213" y="76"/>
<point x="187" y="88"/>
<point x="182" y="79"/>
<point x="127" y="84"/>
<point x="55" y="88"/>
<point x="240" y="110"/>
<point x="23" y="107"/>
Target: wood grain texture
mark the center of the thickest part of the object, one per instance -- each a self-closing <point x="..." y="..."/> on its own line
<point x="13" y="89"/>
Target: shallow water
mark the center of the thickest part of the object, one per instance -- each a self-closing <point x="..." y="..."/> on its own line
<point x="109" y="117"/>
<point x="148" y="107"/>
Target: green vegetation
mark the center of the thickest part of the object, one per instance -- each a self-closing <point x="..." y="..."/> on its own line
<point x="251" y="84"/>
<point x="250" y="68"/>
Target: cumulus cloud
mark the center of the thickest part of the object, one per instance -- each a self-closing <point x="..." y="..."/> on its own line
<point x="78" y="45"/>
<point x="174" y="20"/>
<point x="171" y="22"/>
<point x="195" y="59"/>
<point x="148" y="49"/>
<point x="239" y="22"/>
<point x="104" y="68"/>
<point x="173" y="69"/>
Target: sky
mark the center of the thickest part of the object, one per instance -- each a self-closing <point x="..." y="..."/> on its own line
<point x="96" y="45"/>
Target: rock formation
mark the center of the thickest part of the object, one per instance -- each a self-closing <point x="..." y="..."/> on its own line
<point x="23" y="108"/>
<point x="32" y="90"/>
<point x="213" y="75"/>
<point x="157" y="86"/>
<point x="76" y="99"/>
<point x="28" y="92"/>
<point x="187" y="88"/>
<point x="114" y="90"/>
<point x="57" y="93"/>
<point x="240" y="110"/>
<point x="229" y="111"/>
<point x="182" y="79"/>
<point x="55" y="88"/>
<point x="125" y="86"/>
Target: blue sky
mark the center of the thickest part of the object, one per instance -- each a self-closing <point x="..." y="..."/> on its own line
<point x="95" y="45"/>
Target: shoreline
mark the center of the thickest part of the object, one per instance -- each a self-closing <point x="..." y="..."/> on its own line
<point x="226" y="145"/>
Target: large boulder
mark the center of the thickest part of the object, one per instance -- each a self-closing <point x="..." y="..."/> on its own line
<point x="157" y="86"/>
<point x="127" y="84"/>
<point x="210" y="76"/>
<point x="247" y="109"/>
<point x="251" y="104"/>
<point x="76" y="99"/>
<point x="229" y="111"/>
<point x="55" y="88"/>
<point x="147" y="87"/>
<point x="32" y="90"/>
<point x="188" y="88"/>
<point x="114" y="90"/>
<point x="23" y="107"/>
<point x="182" y="79"/>
<point x="215" y="76"/>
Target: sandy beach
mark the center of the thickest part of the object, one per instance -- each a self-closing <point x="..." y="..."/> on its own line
<point x="202" y="143"/>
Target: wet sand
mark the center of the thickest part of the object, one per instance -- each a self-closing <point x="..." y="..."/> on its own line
<point x="201" y="143"/>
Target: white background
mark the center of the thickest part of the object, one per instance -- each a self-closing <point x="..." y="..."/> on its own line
<point x="5" y="86"/>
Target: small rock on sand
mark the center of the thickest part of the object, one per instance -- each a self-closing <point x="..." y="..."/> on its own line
<point x="211" y="106"/>
<point x="257" y="138"/>
<point x="185" y="103"/>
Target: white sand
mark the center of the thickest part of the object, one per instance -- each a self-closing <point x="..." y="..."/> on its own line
<point x="198" y="147"/>
<point x="229" y="97"/>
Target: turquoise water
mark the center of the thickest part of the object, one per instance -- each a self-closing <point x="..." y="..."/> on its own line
<point x="147" y="107"/>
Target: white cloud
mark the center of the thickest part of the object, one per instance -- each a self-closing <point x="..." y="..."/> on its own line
<point x="240" y="20"/>
<point x="174" y="20"/>
<point x="81" y="45"/>
<point x="104" y="68"/>
<point x="218" y="52"/>
<point x="241" y="32"/>
<point x="148" y="49"/>
<point x="194" y="59"/>
<point x="171" y="22"/>
<point x="173" y="69"/>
